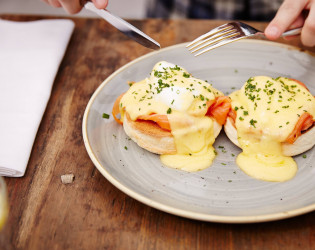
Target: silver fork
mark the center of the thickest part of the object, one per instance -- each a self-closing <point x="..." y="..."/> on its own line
<point x="227" y="33"/>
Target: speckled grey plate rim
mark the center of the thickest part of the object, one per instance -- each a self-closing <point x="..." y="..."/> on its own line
<point x="161" y="206"/>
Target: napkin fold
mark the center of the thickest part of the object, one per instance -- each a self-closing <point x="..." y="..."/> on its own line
<point x="30" y="55"/>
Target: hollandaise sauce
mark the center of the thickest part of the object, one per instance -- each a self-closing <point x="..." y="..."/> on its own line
<point x="172" y="91"/>
<point x="193" y="140"/>
<point x="267" y="110"/>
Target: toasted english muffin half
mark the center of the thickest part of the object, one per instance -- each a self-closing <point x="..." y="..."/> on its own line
<point x="303" y="143"/>
<point x="150" y="136"/>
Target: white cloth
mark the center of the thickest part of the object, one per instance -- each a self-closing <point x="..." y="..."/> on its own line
<point x="30" y="55"/>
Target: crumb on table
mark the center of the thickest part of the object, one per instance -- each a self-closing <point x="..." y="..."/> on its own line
<point x="67" y="178"/>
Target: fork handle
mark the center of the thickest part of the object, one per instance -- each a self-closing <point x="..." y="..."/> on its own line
<point x="292" y="32"/>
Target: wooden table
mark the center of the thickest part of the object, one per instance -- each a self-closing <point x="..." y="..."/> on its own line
<point x="91" y="213"/>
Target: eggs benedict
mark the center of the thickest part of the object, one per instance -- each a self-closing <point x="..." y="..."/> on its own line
<point x="271" y="119"/>
<point x="174" y="114"/>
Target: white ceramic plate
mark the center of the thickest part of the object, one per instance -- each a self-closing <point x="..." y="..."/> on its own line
<point x="221" y="193"/>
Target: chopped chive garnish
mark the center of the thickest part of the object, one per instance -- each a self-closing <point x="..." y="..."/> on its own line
<point x="252" y="122"/>
<point x="106" y="116"/>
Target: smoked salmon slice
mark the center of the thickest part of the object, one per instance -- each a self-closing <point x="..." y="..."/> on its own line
<point x="305" y="122"/>
<point x="217" y="108"/>
<point x="161" y="120"/>
<point x="115" y="110"/>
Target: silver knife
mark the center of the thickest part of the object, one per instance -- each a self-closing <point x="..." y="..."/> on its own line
<point x="124" y="27"/>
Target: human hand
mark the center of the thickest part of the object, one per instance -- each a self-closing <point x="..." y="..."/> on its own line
<point x="294" y="14"/>
<point x="74" y="6"/>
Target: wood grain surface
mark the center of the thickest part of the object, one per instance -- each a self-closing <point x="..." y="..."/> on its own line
<point x="91" y="213"/>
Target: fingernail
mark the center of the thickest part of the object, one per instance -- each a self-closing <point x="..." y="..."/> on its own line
<point x="102" y="3"/>
<point x="273" y="32"/>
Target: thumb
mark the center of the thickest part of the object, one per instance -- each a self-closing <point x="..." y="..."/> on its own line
<point x="100" y="4"/>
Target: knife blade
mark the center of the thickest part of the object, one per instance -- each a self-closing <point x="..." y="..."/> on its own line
<point x="125" y="27"/>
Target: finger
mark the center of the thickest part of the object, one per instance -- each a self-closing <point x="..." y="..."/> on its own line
<point x="298" y="22"/>
<point x="54" y="3"/>
<point x="308" y="31"/>
<point x="286" y="15"/>
<point x="71" y="6"/>
<point x="100" y="4"/>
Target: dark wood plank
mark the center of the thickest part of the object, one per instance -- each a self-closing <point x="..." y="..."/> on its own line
<point x="91" y="213"/>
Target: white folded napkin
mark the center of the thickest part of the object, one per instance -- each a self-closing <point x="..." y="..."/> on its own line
<point x="30" y="55"/>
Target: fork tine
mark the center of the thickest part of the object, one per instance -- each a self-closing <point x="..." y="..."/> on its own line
<point x="220" y="44"/>
<point x="214" y="39"/>
<point x="210" y="33"/>
<point x="222" y="35"/>
<point x="222" y="32"/>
